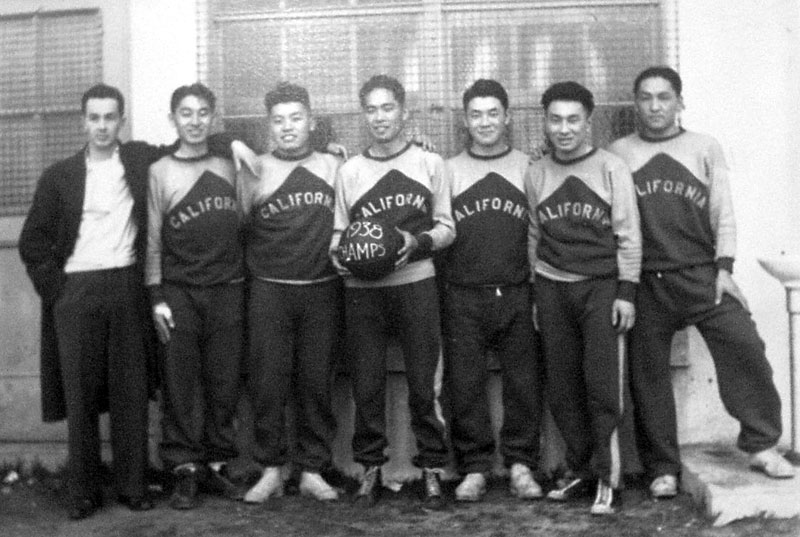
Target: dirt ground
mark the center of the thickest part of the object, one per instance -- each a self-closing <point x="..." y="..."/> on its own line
<point x="34" y="507"/>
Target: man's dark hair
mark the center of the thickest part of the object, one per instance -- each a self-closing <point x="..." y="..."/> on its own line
<point x="569" y="91"/>
<point x="286" y="92"/>
<point x="103" y="91"/>
<point x="197" y="89"/>
<point x="384" y="82"/>
<point x="660" y="71"/>
<point x="485" y="87"/>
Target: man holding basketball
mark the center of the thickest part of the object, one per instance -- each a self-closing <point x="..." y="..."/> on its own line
<point x="405" y="188"/>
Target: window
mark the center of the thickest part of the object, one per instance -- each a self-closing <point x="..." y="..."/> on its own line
<point x="48" y="61"/>
<point x="436" y="48"/>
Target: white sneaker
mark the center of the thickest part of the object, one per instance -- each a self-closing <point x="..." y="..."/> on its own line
<point x="312" y="484"/>
<point x="522" y="484"/>
<point x="472" y="488"/>
<point x="664" y="486"/>
<point x="604" y="500"/>
<point x="570" y="488"/>
<point x="772" y="464"/>
<point x="270" y="485"/>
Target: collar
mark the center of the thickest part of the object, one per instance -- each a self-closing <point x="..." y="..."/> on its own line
<point x="367" y="154"/>
<point x="114" y="156"/>
<point x="574" y="160"/>
<point x="503" y="153"/>
<point x="292" y="158"/>
<point x="652" y="140"/>
<point x="196" y="158"/>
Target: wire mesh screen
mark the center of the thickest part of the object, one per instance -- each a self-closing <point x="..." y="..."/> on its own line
<point x="48" y="60"/>
<point x="436" y="48"/>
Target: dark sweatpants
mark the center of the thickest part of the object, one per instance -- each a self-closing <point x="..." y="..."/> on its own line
<point x="98" y="325"/>
<point x="476" y="319"/>
<point x="585" y="376"/>
<point x="202" y="365"/>
<point x="667" y="302"/>
<point x="412" y="312"/>
<point x="294" y="330"/>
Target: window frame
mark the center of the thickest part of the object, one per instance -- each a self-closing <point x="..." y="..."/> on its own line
<point x="40" y="110"/>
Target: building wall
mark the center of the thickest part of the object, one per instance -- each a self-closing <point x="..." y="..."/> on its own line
<point x="20" y="408"/>
<point x="739" y="61"/>
<point x="163" y="57"/>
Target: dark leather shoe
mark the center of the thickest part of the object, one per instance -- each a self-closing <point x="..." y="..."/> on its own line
<point x="370" y="490"/>
<point x="81" y="508"/>
<point x="136" y="503"/>
<point x="184" y="494"/>
<point x="220" y="482"/>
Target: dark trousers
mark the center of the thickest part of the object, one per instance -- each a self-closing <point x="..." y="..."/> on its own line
<point x="201" y="373"/>
<point x="667" y="302"/>
<point x="98" y="325"/>
<point x="585" y="377"/>
<point x="294" y="331"/>
<point x="476" y="319"/>
<point x="412" y="312"/>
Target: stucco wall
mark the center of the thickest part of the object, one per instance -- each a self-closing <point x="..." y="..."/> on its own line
<point x="163" y="57"/>
<point x="739" y="65"/>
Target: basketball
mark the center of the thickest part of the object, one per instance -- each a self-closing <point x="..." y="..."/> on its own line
<point x="368" y="248"/>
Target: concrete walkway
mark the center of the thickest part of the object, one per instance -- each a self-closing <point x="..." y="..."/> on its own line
<point x="720" y="479"/>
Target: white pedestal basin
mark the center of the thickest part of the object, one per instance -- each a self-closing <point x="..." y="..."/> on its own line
<point x="786" y="268"/>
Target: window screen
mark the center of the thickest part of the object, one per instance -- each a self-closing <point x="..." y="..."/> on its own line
<point x="436" y="48"/>
<point x="48" y="60"/>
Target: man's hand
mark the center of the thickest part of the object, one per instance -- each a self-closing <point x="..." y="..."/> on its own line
<point x="337" y="149"/>
<point x="537" y="151"/>
<point x="333" y="253"/>
<point x="162" y="317"/>
<point x="725" y="284"/>
<point x="423" y="140"/>
<point x="623" y="314"/>
<point x="409" y="245"/>
<point x="244" y="155"/>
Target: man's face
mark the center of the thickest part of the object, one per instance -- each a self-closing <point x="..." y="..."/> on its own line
<point x="567" y="127"/>
<point x="486" y="120"/>
<point x="657" y="106"/>
<point x="102" y="123"/>
<point x="385" y="116"/>
<point x="192" y="119"/>
<point x="290" y="127"/>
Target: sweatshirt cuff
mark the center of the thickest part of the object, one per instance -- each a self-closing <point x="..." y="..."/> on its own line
<point x="157" y="295"/>
<point x="424" y="243"/>
<point x="725" y="263"/>
<point x="626" y="291"/>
